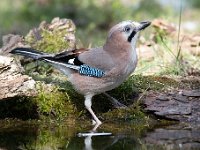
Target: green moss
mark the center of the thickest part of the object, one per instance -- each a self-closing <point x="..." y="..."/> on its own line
<point x="135" y="84"/>
<point x="152" y="82"/>
<point x="53" y="103"/>
<point x="52" y="38"/>
<point x="51" y="42"/>
<point x="132" y="113"/>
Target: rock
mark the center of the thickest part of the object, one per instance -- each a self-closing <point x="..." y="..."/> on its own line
<point x="181" y="98"/>
<point x="162" y="98"/>
<point x="176" y="106"/>
<point x="192" y="93"/>
<point x="13" y="82"/>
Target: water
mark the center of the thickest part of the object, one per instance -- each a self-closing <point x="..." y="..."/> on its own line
<point x="17" y="135"/>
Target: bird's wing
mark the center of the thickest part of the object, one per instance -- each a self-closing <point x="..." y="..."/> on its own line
<point x="87" y="62"/>
<point x="75" y="59"/>
<point x="98" y="58"/>
<point x="94" y="57"/>
<point x="70" y="57"/>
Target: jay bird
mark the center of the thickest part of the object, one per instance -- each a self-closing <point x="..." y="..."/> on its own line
<point x="96" y="70"/>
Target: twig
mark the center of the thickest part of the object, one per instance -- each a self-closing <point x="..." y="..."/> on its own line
<point x="143" y="94"/>
<point x="179" y="27"/>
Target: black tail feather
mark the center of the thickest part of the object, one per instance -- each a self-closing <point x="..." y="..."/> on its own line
<point x="28" y="52"/>
<point x="58" y="62"/>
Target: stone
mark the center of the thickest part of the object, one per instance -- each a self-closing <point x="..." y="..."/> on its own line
<point x="178" y="106"/>
<point x="192" y="93"/>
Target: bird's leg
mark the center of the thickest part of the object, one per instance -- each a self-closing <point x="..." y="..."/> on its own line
<point x="114" y="101"/>
<point x="88" y="104"/>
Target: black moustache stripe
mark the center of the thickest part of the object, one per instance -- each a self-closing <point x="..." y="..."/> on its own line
<point x="131" y="36"/>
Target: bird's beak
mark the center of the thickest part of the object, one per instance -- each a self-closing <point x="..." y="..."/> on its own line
<point x="143" y="25"/>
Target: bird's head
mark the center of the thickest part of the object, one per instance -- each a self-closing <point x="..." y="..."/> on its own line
<point x="126" y="33"/>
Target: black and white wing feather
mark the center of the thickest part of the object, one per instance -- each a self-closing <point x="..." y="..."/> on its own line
<point x="63" y="61"/>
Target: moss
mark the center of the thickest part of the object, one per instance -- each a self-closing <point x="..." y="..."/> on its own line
<point x="135" y="84"/>
<point x="133" y="112"/>
<point x="134" y="116"/>
<point x="51" y="42"/>
<point x="190" y="82"/>
<point x="152" y="82"/>
<point x="53" y="103"/>
<point x="54" y="37"/>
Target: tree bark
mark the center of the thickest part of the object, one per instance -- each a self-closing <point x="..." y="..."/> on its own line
<point x="13" y="82"/>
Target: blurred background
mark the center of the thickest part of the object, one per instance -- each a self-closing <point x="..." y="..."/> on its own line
<point x="94" y="17"/>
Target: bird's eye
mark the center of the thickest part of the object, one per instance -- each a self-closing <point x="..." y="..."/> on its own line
<point x="127" y="29"/>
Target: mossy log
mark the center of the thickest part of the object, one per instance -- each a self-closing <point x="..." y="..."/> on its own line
<point x="17" y="87"/>
<point x="56" y="36"/>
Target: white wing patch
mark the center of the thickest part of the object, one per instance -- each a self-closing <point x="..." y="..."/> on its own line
<point x="71" y="61"/>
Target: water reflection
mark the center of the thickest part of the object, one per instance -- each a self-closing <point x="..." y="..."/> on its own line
<point x="110" y="142"/>
<point x="41" y="136"/>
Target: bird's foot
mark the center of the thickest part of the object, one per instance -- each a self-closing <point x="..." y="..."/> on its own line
<point x="115" y="102"/>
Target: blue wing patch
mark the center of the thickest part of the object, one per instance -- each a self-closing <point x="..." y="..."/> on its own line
<point x="90" y="71"/>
